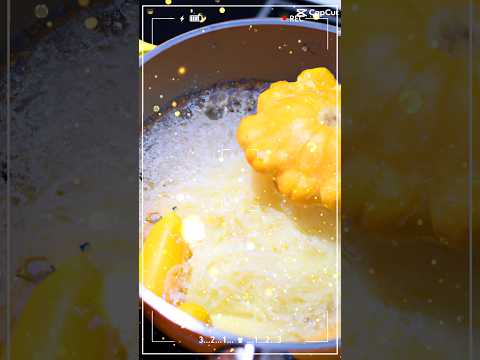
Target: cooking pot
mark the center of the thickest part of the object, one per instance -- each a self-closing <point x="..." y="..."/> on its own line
<point x="230" y="51"/>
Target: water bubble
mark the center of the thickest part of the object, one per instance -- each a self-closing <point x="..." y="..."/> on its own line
<point x="91" y="23"/>
<point x="41" y="11"/>
<point x="214" y="112"/>
<point x="187" y="113"/>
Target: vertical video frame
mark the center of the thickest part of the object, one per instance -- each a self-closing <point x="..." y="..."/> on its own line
<point x="239" y="246"/>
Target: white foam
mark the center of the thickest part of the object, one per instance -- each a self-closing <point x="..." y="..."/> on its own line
<point x="177" y="149"/>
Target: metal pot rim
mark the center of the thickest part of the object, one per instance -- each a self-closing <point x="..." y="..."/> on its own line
<point x="143" y="59"/>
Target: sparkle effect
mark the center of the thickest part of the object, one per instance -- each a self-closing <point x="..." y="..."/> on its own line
<point x="182" y="70"/>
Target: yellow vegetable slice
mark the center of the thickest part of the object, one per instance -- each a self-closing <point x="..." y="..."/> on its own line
<point x="144" y="47"/>
<point x="163" y="249"/>
<point x="293" y="136"/>
<point x="64" y="319"/>
<point x="196" y="311"/>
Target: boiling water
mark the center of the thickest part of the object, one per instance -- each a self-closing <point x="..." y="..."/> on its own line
<point x="261" y="266"/>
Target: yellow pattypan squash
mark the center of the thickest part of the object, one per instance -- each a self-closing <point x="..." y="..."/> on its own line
<point x="293" y="136"/>
<point x="163" y="249"/>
